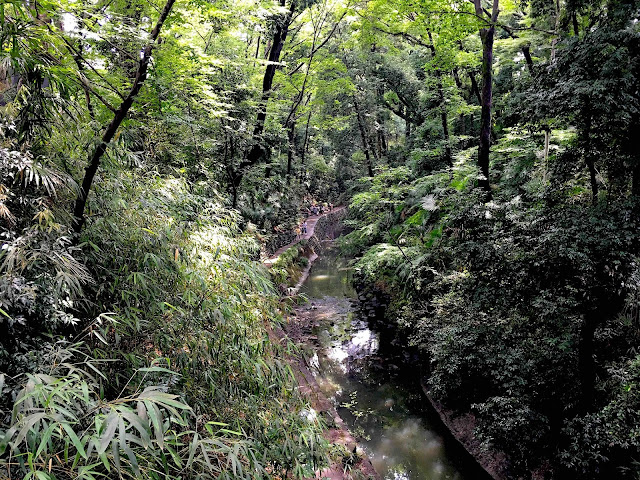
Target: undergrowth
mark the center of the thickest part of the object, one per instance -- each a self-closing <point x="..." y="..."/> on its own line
<point x="148" y="355"/>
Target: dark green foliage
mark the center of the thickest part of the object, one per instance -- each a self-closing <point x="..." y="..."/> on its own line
<point x="498" y="298"/>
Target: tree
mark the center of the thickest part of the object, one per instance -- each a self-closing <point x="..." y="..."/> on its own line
<point x="487" y="33"/>
<point x="118" y="117"/>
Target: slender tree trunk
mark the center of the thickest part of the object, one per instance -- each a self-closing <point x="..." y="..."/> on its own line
<point x="363" y="135"/>
<point x="547" y="135"/>
<point x="456" y="78"/>
<point x="372" y="140"/>
<point x="112" y="128"/>
<point x="407" y="130"/>
<point x="474" y="87"/>
<point x="487" y="36"/>
<point x="305" y="146"/>
<point x="78" y="59"/>
<point x="381" y="142"/>
<point x="556" y="31"/>
<point x="526" y="51"/>
<point x="282" y="29"/>
<point x="273" y="50"/>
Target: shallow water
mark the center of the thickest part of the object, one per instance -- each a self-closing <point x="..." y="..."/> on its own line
<point x="377" y="408"/>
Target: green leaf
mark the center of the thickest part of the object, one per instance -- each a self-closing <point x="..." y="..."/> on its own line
<point x="137" y="422"/>
<point x="109" y="430"/>
<point x="75" y="440"/>
<point x="29" y="422"/>
<point x="192" y="449"/>
<point x="45" y="439"/>
<point x="158" y="369"/>
<point x="156" y="419"/>
<point x="99" y="336"/>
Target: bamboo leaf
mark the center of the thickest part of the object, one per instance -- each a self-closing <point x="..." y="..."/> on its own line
<point x="109" y="430"/>
<point x="156" y="419"/>
<point x="192" y="449"/>
<point x="45" y="439"/>
<point x="29" y="422"/>
<point x="75" y="440"/>
<point x="139" y="426"/>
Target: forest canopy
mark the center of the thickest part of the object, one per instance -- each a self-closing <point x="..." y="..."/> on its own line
<point x="153" y="154"/>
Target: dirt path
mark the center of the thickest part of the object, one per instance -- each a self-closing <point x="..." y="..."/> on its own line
<point x="311" y="226"/>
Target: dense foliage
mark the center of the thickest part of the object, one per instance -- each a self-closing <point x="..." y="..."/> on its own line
<point x="522" y="302"/>
<point x="151" y="155"/>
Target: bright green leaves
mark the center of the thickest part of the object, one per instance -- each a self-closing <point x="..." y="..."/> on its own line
<point x="61" y="423"/>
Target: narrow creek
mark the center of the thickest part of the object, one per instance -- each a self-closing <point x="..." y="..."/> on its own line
<point x="380" y="409"/>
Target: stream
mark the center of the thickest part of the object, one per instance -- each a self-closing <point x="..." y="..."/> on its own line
<point x="380" y="409"/>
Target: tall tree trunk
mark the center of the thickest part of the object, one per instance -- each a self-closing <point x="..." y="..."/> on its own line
<point x="112" y="128"/>
<point x="291" y="149"/>
<point x="456" y="78"/>
<point x="407" y="130"/>
<point x="279" y="37"/>
<point x="556" y="31"/>
<point x="526" y="51"/>
<point x="273" y="49"/>
<point x="381" y="142"/>
<point x="363" y="136"/>
<point x="547" y="135"/>
<point x="305" y="145"/>
<point x="487" y="36"/>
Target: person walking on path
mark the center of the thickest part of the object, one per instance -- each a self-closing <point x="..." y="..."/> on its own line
<point x="304" y="227"/>
<point x="297" y="232"/>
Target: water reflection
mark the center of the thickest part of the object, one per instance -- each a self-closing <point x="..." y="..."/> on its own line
<point x="401" y="445"/>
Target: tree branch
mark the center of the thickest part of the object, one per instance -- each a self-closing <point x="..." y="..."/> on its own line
<point x="112" y="128"/>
